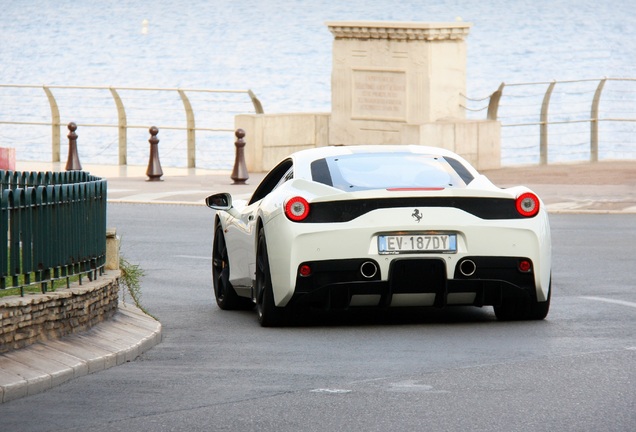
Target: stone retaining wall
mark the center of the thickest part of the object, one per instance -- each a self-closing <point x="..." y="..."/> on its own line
<point x="37" y="317"/>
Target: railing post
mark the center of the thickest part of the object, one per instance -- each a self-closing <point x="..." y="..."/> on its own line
<point x="239" y="173"/>
<point x="493" y="104"/>
<point x="154" y="171"/>
<point x="543" y="145"/>
<point x="55" y="125"/>
<point x="594" y="121"/>
<point x="258" y="107"/>
<point x="192" y="150"/>
<point x="122" y="125"/>
<point x="72" y="162"/>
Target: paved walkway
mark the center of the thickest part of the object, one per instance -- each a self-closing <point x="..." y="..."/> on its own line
<point x="43" y="365"/>
<point x="605" y="187"/>
<point x="602" y="187"/>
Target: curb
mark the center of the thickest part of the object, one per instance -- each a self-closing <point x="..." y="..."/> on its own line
<point x="38" y="367"/>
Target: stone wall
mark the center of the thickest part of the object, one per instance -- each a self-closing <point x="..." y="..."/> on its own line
<point x="272" y="137"/>
<point x="37" y="317"/>
<point x="477" y="141"/>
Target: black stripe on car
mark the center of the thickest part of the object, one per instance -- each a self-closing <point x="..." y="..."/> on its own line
<point x="348" y="210"/>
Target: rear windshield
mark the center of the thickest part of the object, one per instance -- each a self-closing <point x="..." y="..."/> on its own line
<point x="389" y="170"/>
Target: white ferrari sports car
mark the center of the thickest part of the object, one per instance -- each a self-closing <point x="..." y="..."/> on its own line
<point x="381" y="226"/>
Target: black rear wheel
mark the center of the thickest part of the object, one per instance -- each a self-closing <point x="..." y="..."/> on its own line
<point x="226" y="297"/>
<point x="269" y="315"/>
<point x="511" y="309"/>
<point x="516" y="309"/>
<point x="539" y="310"/>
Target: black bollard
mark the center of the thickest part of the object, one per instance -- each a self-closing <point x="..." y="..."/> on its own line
<point x="72" y="162"/>
<point x="154" y="171"/>
<point x="239" y="173"/>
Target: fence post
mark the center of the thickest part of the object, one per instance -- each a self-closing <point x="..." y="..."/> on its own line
<point x="112" y="249"/>
<point x="55" y="125"/>
<point x="239" y="173"/>
<point x="192" y="150"/>
<point x="543" y="144"/>
<point x="72" y="162"/>
<point x="258" y="107"/>
<point x="493" y="104"/>
<point x="154" y="171"/>
<point x="122" y="126"/>
<point x="594" y="121"/>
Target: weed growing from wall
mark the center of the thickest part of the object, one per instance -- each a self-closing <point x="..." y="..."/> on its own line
<point x="130" y="282"/>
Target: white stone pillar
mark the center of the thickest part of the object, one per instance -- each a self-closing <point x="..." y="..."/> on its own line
<point x="388" y="74"/>
<point x="391" y="83"/>
<point x="402" y="83"/>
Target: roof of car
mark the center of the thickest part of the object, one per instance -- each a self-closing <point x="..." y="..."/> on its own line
<point x="321" y="152"/>
<point x="302" y="159"/>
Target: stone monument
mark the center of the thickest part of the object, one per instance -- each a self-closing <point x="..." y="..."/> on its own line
<point x="391" y="83"/>
<point x="402" y="83"/>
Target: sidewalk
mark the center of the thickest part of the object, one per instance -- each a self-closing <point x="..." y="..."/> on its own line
<point x="185" y="186"/>
<point x="43" y="365"/>
<point x="603" y="187"/>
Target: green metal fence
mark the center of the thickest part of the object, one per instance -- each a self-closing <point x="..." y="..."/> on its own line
<point x="53" y="225"/>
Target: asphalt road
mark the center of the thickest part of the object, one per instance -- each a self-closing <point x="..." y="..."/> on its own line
<point x="452" y="370"/>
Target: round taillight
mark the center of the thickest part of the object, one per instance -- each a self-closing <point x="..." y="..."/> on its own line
<point x="527" y="204"/>
<point x="304" y="270"/>
<point x="525" y="266"/>
<point x="297" y="209"/>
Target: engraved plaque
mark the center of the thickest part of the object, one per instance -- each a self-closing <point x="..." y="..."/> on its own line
<point x="379" y="95"/>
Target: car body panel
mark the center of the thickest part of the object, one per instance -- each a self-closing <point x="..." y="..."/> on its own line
<point x="290" y="244"/>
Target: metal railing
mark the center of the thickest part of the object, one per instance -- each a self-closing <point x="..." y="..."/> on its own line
<point x="53" y="226"/>
<point x="585" y="101"/>
<point x="122" y="123"/>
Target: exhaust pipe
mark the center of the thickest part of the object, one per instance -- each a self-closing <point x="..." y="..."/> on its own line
<point x="368" y="269"/>
<point x="467" y="267"/>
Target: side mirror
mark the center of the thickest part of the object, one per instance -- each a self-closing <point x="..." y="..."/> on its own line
<point x="219" y="201"/>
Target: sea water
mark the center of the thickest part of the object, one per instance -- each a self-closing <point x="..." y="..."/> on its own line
<point x="281" y="50"/>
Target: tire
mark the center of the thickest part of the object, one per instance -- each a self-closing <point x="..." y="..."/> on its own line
<point x="268" y="314"/>
<point x="226" y="297"/>
<point x="517" y="309"/>
<point x="511" y="309"/>
<point x="539" y="310"/>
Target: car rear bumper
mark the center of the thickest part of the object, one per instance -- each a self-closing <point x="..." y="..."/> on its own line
<point x="292" y="244"/>
<point x="341" y="284"/>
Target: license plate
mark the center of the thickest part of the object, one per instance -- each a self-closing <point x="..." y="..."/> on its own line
<point x="417" y="243"/>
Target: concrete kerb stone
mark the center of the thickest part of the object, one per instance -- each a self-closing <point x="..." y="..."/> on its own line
<point x="43" y="365"/>
<point x="76" y="365"/>
<point x="19" y="374"/>
<point x="58" y="372"/>
<point x="12" y="386"/>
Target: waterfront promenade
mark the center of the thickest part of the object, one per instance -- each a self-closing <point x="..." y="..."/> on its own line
<point x="603" y="187"/>
<point x="606" y="186"/>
